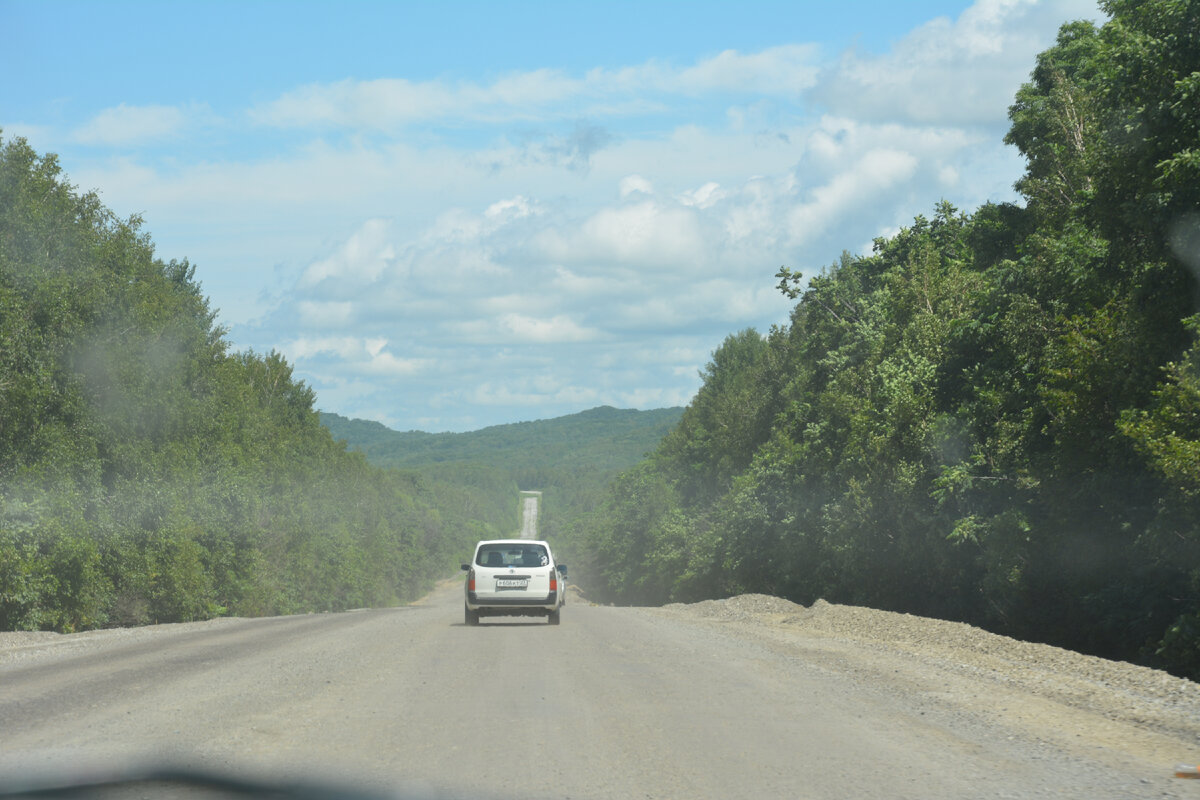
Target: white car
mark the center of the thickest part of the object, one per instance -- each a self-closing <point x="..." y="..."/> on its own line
<point x="513" y="577"/>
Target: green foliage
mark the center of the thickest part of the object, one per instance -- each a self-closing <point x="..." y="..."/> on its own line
<point x="729" y="417"/>
<point x="993" y="417"/>
<point x="147" y="474"/>
<point x="1167" y="433"/>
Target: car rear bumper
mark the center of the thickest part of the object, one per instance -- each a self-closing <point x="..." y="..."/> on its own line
<point x="549" y="602"/>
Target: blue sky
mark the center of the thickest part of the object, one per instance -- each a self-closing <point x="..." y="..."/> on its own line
<point x="454" y="215"/>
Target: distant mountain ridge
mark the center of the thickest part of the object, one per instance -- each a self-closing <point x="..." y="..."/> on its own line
<point x="603" y="439"/>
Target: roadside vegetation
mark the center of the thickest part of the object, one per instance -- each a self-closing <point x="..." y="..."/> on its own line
<point x="994" y="417"/>
<point x="150" y="474"/>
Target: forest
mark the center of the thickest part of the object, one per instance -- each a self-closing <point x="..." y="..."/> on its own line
<point x="148" y="473"/>
<point x="993" y="417"/>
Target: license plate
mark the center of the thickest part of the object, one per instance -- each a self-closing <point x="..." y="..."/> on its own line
<point x="512" y="583"/>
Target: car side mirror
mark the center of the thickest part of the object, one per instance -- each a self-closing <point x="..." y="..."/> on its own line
<point x="562" y="569"/>
<point x="466" y="567"/>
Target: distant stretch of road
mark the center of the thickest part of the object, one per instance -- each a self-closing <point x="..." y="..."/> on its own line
<point x="614" y="703"/>
<point x="529" y="514"/>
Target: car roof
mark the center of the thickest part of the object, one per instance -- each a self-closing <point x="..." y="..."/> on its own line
<point x="512" y="541"/>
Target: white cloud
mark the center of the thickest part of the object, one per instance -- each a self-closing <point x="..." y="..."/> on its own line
<point x="304" y="347"/>
<point x="647" y="235"/>
<point x="41" y="137"/>
<point x="876" y="172"/>
<point x="372" y="104"/>
<point x="557" y="330"/>
<point x="570" y="283"/>
<point x="753" y="215"/>
<point x="387" y="364"/>
<point x="345" y="356"/>
<point x="635" y="184"/>
<point x="319" y="314"/>
<point x="539" y="394"/>
<point x="541" y="94"/>
<point x="389" y="103"/>
<point x="786" y="70"/>
<point x="505" y="210"/>
<point x="362" y="259"/>
<point x="130" y="125"/>
<point x="964" y="71"/>
<point x="539" y="87"/>
<point x="706" y="196"/>
<point x="515" y="328"/>
<point x="531" y="246"/>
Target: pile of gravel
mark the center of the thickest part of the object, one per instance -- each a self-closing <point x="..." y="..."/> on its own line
<point x="742" y="607"/>
<point x="1115" y="689"/>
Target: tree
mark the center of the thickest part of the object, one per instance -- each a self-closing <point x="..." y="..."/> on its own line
<point x="147" y="473"/>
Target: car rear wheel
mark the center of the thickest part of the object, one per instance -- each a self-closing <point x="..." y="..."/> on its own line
<point x="553" y="617"/>
<point x="470" y="617"/>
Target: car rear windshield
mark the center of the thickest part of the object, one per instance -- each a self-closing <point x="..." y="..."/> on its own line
<point x="512" y="555"/>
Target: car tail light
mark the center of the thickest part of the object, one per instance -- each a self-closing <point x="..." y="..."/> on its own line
<point x="471" y="580"/>
<point x="553" y="580"/>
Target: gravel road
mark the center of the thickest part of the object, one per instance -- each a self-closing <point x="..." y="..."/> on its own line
<point x="530" y="501"/>
<point x="737" y="698"/>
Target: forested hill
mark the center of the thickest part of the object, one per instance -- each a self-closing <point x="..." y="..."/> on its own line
<point x="994" y="416"/>
<point x="148" y="473"/>
<point x="570" y="459"/>
<point x="603" y="438"/>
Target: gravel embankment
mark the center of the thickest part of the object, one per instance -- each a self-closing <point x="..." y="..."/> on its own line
<point x="1118" y="691"/>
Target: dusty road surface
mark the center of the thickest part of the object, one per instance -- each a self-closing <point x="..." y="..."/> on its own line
<point x="746" y="698"/>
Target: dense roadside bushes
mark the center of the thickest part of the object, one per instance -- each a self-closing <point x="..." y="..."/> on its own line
<point x="994" y="417"/>
<point x="149" y="474"/>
